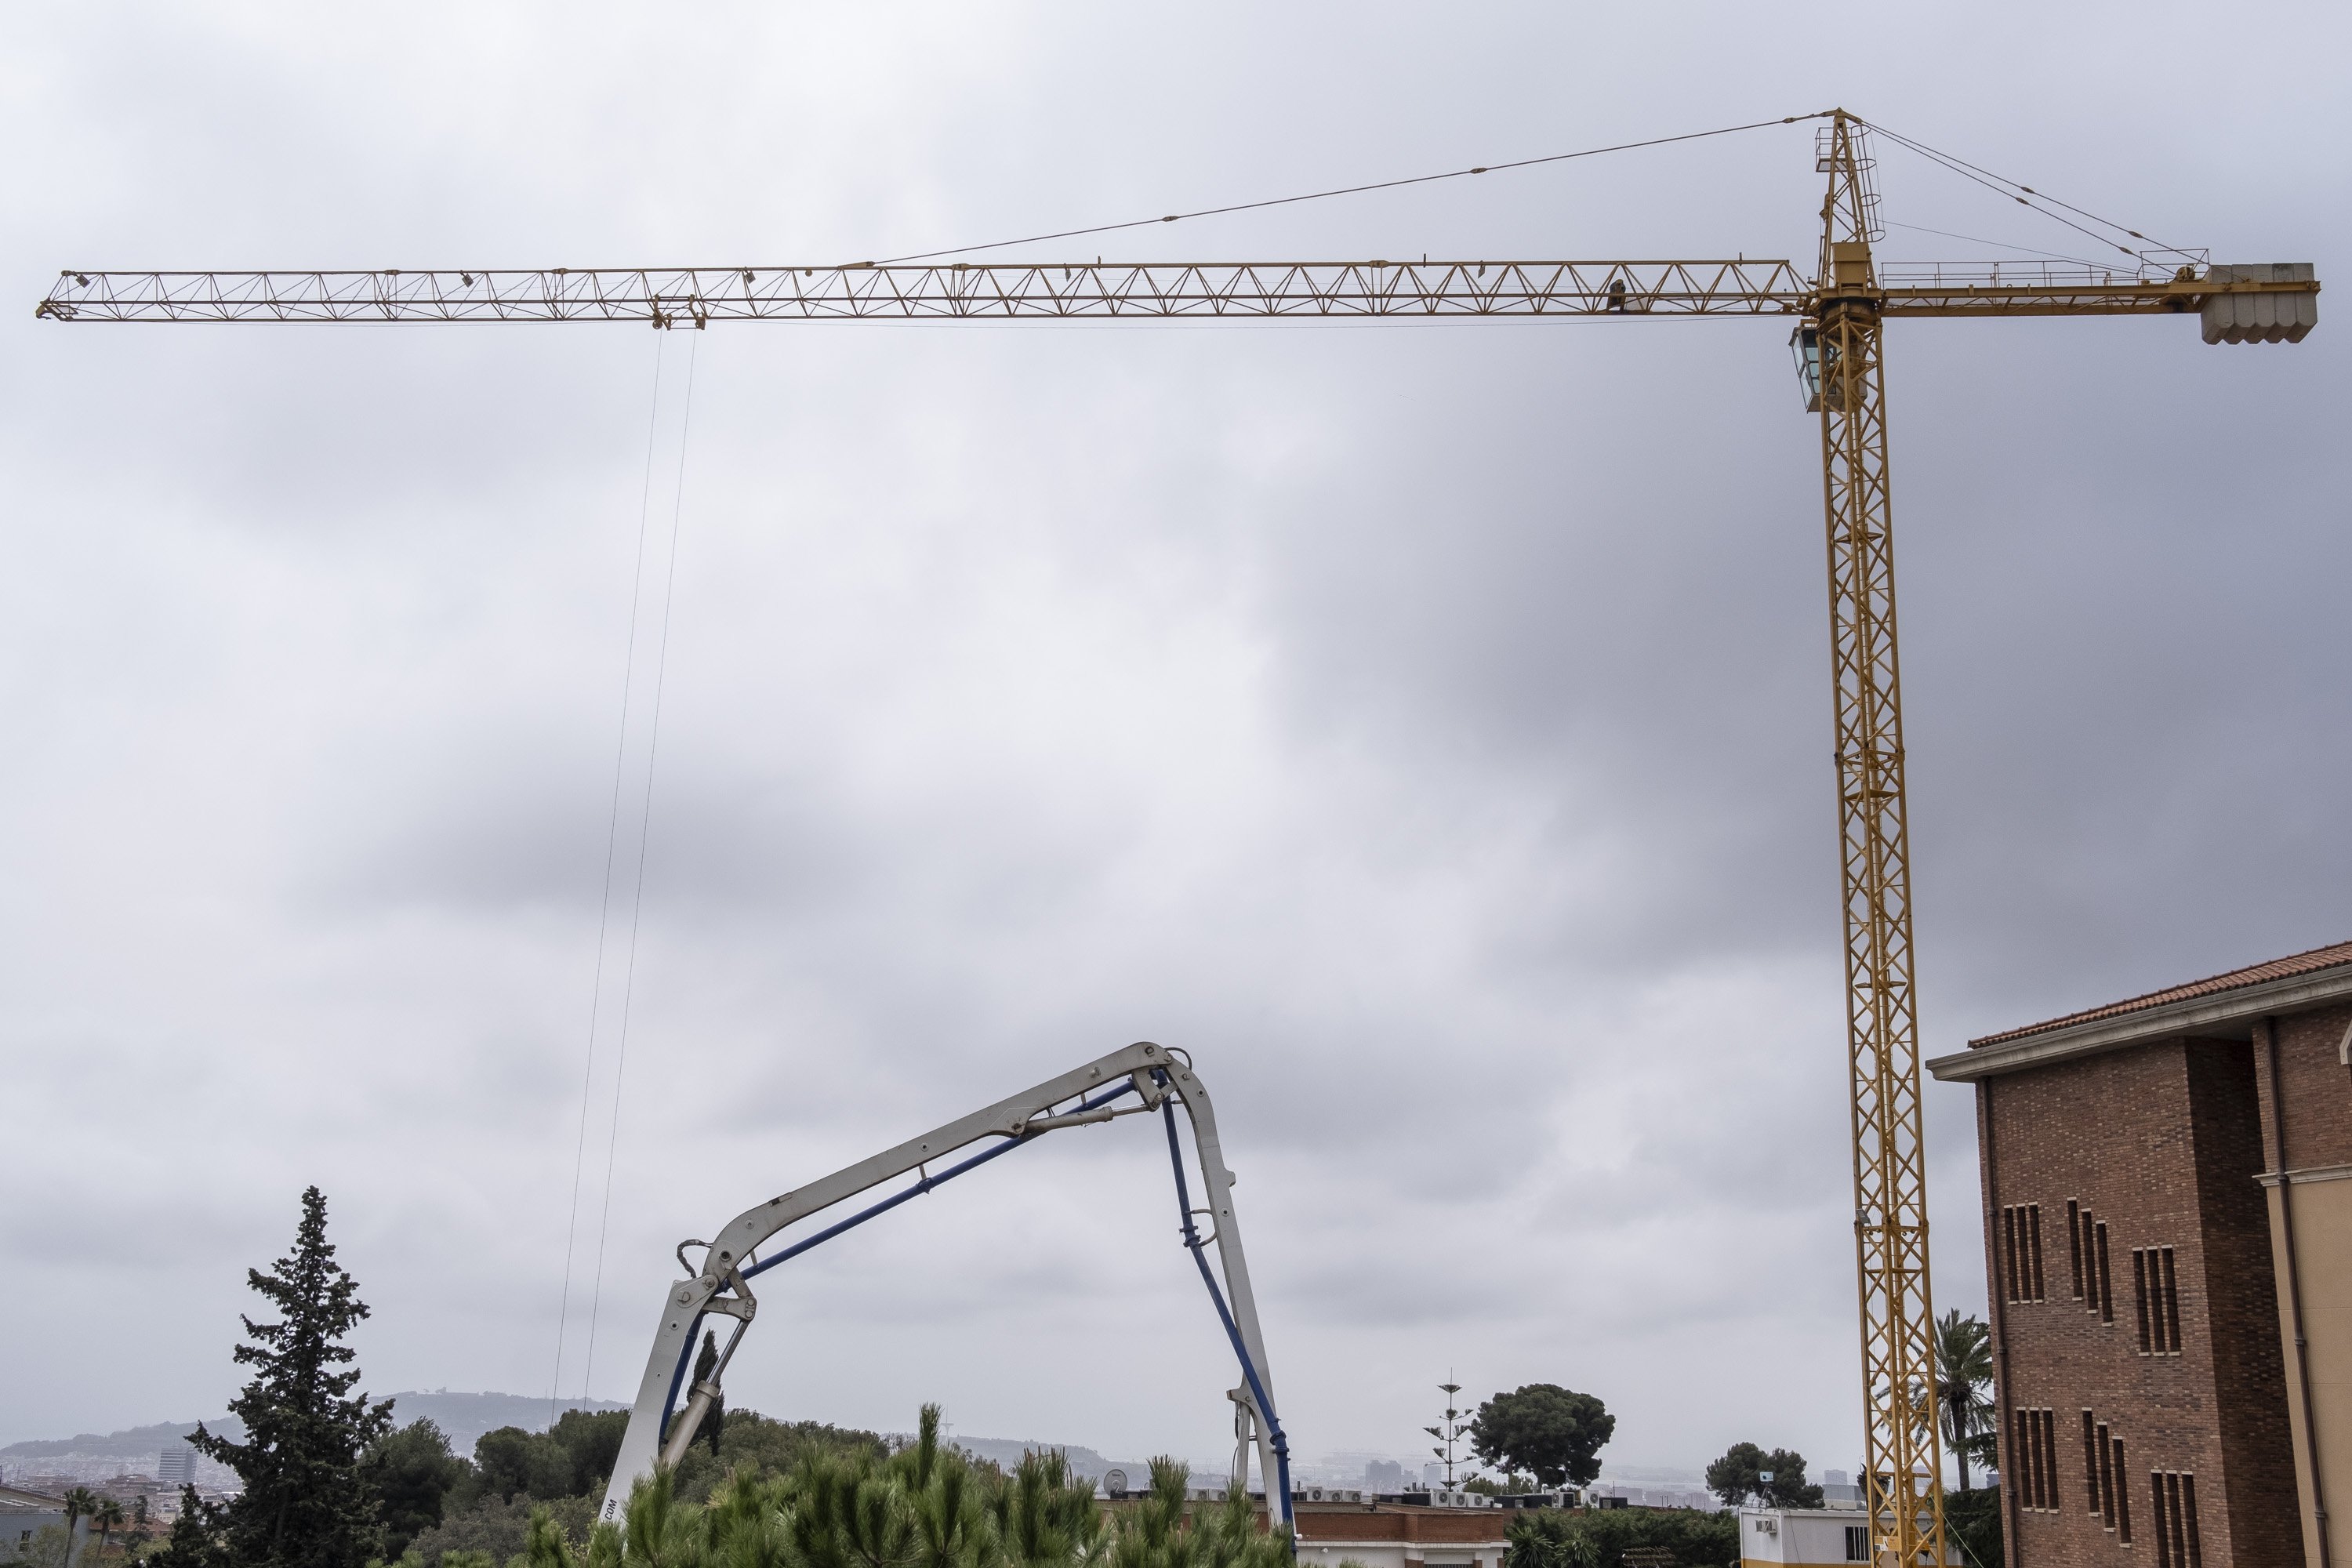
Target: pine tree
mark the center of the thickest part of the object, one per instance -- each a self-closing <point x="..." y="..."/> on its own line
<point x="306" y="1503"/>
<point x="195" y="1540"/>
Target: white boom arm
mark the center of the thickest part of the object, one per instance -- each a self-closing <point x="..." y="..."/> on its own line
<point x="1159" y="1078"/>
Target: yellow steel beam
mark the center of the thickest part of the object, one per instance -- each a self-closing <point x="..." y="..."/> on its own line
<point x="1083" y="290"/>
<point x="1902" y="1457"/>
<point x="1023" y="291"/>
<point x="2047" y="290"/>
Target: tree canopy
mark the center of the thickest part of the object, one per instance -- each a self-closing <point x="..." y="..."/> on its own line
<point x="412" y="1473"/>
<point x="1963" y="1388"/>
<point x="194" y="1540"/>
<point x="1739" y="1478"/>
<point x="1553" y="1432"/>
<point x="488" y="1508"/>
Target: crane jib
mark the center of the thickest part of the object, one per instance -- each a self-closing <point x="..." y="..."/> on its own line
<point x="1143" y="292"/>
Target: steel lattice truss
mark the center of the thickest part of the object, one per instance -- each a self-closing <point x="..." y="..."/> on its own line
<point x="1029" y="292"/>
<point x="1903" y="1459"/>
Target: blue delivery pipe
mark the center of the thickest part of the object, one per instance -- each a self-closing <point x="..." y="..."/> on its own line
<point x="677" y="1378"/>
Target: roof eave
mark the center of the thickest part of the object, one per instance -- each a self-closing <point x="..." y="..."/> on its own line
<point x="2224" y="1015"/>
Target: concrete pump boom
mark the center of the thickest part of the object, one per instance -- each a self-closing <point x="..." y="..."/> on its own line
<point x="1159" y="1080"/>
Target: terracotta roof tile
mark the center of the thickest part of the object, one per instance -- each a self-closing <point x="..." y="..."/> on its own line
<point x="2276" y="969"/>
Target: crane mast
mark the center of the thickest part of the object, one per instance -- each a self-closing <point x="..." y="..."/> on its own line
<point x="1901" y="1443"/>
<point x="1839" y="313"/>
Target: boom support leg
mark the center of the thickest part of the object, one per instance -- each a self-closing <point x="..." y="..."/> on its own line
<point x="1903" y="1468"/>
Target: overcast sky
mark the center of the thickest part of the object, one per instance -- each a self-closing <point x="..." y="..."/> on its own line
<point x="1425" y="727"/>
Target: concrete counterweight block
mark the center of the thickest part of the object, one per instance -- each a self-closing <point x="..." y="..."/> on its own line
<point x="2261" y="318"/>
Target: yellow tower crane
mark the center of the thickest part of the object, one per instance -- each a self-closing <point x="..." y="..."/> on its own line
<point x="1839" y="313"/>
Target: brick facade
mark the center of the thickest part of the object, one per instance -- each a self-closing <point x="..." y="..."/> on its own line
<point x="2139" y="1272"/>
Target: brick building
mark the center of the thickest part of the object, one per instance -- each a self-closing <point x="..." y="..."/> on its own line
<point x="1386" y="1535"/>
<point x="2167" y="1202"/>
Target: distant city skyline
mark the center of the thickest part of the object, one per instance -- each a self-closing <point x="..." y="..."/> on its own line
<point x="465" y="1415"/>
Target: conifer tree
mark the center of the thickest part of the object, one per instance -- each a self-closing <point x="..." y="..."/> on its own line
<point x="195" y="1540"/>
<point x="307" y="1501"/>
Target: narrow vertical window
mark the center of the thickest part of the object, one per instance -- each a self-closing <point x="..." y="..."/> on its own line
<point x="2009" y="1253"/>
<point x="2160" y="1520"/>
<point x="2106" y="1279"/>
<point x="2106" y="1479"/>
<point x="2074" y="1244"/>
<point x="2090" y="1462"/>
<point x="2172" y="1304"/>
<point x="2188" y="1521"/>
<point x="2122" y="1497"/>
<point x="2090" y="1262"/>
<point x="2050" y="1459"/>
<point x="2033" y="1239"/>
<point x="2141" y="1302"/>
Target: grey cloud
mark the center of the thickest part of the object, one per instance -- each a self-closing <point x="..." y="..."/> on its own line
<point x="1426" y="727"/>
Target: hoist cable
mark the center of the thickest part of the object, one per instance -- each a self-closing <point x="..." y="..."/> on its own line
<point x="1997" y="243"/>
<point x="645" y="834"/>
<point x="605" y="900"/>
<point x="1348" y="189"/>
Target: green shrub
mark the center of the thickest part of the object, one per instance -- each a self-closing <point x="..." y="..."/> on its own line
<point x="926" y="1506"/>
<point x="1599" y="1537"/>
<point x="1972" y="1518"/>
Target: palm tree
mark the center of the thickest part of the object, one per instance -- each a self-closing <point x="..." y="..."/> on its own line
<point x="80" y="1500"/>
<point x="1963" y="1377"/>
<point x="107" y="1515"/>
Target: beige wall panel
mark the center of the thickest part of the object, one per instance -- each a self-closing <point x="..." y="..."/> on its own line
<point x="2323" y="1238"/>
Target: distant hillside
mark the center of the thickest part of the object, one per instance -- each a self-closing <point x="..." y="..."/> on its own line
<point x="1007" y="1452"/>
<point x="464" y="1417"/>
<point x="132" y="1442"/>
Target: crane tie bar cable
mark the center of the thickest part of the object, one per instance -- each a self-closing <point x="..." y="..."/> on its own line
<point x="1353" y="190"/>
<point x="2041" y="202"/>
